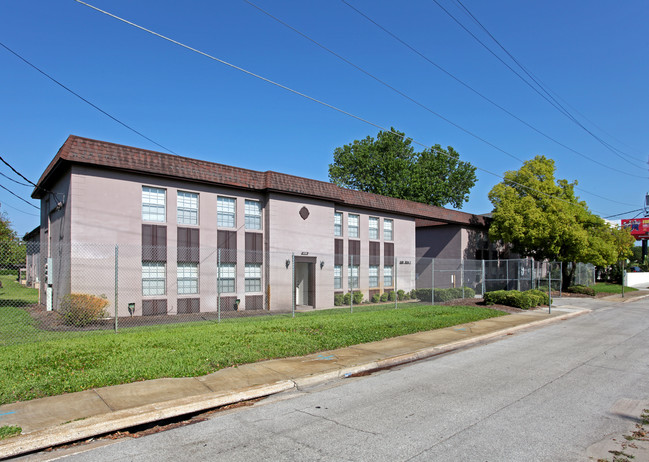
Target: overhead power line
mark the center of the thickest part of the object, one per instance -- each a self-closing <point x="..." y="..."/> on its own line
<point x="14" y="194"/>
<point x="546" y="94"/>
<point x="485" y="97"/>
<point x="84" y="99"/>
<point x="623" y="213"/>
<point x="252" y="74"/>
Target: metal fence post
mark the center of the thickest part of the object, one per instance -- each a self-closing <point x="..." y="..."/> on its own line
<point x="293" y="284"/>
<point x="116" y="283"/>
<point x="549" y="286"/>
<point x="462" y="275"/>
<point x="432" y="286"/>
<point x="396" y="284"/>
<point x="218" y="284"/>
<point x="560" y="279"/>
<point x="484" y="275"/>
<point x="507" y="274"/>
<point x="532" y="274"/>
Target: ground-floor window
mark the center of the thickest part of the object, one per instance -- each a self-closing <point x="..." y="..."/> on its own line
<point x="338" y="277"/>
<point x="374" y="276"/>
<point x="187" y="278"/>
<point x="253" y="277"/>
<point x="153" y="278"/>
<point x="387" y="276"/>
<point x="227" y="275"/>
<point x="353" y="277"/>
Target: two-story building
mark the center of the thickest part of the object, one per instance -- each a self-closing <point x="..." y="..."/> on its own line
<point x="180" y="235"/>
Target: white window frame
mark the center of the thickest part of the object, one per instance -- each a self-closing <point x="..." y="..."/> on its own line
<point x="154" y="278"/>
<point x="338" y="276"/>
<point x="388" y="276"/>
<point x="373" y="228"/>
<point x="227" y="278"/>
<point x="187" y="278"/>
<point x="154" y="204"/>
<point x="352" y="225"/>
<point x="353" y="277"/>
<point x="187" y="208"/>
<point x="373" y="274"/>
<point x="338" y="224"/>
<point x="252" y="214"/>
<point x="226" y="212"/>
<point x="388" y="229"/>
<point x="253" y="277"/>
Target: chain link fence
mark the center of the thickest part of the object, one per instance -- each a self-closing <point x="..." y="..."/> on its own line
<point x="79" y="287"/>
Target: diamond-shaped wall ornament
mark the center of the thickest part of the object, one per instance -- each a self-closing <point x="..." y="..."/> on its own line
<point x="304" y="213"/>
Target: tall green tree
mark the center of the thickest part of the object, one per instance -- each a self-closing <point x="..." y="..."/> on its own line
<point x="12" y="249"/>
<point x="389" y="165"/>
<point x="541" y="217"/>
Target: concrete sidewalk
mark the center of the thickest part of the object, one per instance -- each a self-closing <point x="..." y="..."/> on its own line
<point x="65" y="418"/>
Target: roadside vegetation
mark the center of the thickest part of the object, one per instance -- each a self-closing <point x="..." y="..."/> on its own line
<point x="608" y="288"/>
<point x="101" y="358"/>
<point x="7" y="431"/>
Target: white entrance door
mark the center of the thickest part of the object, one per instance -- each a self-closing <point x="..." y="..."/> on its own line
<point x="301" y="283"/>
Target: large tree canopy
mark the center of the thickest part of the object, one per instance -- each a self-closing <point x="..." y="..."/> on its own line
<point x="12" y="249"/>
<point x="389" y="165"/>
<point x="542" y="218"/>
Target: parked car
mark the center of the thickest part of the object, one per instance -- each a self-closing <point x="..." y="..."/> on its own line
<point x="634" y="269"/>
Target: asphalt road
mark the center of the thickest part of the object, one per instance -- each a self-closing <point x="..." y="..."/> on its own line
<point x="539" y="395"/>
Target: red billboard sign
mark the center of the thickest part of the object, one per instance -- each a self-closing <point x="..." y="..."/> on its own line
<point x="639" y="227"/>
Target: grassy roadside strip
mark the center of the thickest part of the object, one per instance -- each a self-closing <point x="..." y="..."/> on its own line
<point x="608" y="288"/>
<point x="100" y="359"/>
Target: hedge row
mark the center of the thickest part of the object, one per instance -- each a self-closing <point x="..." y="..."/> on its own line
<point x="443" y="295"/>
<point x="524" y="300"/>
<point x="579" y="289"/>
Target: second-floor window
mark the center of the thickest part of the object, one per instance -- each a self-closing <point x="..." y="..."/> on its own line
<point x="226" y="212"/>
<point x="187" y="208"/>
<point x="338" y="224"/>
<point x="374" y="276"/>
<point x="388" y="234"/>
<point x="253" y="214"/>
<point x="374" y="228"/>
<point x="352" y="225"/>
<point x="338" y="277"/>
<point x="153" y="204"/>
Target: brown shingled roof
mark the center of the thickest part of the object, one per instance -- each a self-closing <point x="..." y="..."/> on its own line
<point x="126" y="158"/>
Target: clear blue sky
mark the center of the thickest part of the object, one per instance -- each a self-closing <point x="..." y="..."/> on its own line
<point x="593" y="54"/>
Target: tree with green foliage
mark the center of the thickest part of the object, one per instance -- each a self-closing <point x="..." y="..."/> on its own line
<point x="389" y="165"/>
<point x="541" y="217"/>
<point x="12" y="248"/>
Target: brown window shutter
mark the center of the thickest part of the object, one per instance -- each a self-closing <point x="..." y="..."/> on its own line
<point x="388" y="254"/>
<point x="338" y="251"/>
<point x="227" y="244"/>
<point x="154" y="243"/>
<point x="188" y="245"/>
<point x="254" y="248"/>
<point x="354" y="253"/>
<point x="375" y="253"/>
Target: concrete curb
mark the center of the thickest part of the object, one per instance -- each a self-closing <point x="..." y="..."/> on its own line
<point x="118" y="420"/>
<point x="113" y="421"/>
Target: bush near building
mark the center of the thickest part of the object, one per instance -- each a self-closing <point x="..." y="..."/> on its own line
<point x="524" y="300"/>
<point x="82" y="309"/>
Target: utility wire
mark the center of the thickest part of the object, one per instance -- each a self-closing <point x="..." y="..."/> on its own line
<point x="623" y="213"/>
<point x="551" y="99"/>
<point x="303" y="95"/>
<point x="482" y="95"/>
<point x="15" y="181"/>
<point x="14" y="194"/>
<point x="84" y="99"/>
<point x="382" y="82"/>
<point x="4" y="204"/>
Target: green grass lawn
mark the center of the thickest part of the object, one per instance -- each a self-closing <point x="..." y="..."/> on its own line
<point x="96" y="359"/>
<point x="608" y="288"/>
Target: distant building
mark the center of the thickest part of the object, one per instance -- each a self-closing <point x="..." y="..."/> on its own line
<point x="192" y="234"/>
<point x="33" y="258"/>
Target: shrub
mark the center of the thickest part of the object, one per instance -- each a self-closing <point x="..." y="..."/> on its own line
<point x="579" y="289"/>
<point x="338" y="299"/>
<point x="544" y="295"/>
<point x="82" y="309"/>
<point x="524" y="300"/>
<point x="392" y="296"/>
<point x="347" y="298"/>
<point x="401" y="295"/>
<point x="384" y="297"/>
<point x="358" y="298"/>
<point x="376" y="298"/>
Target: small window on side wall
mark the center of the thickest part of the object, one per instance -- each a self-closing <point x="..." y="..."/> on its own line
<point x="374" y="228"/>
<point x="388" y="233"/>
<point x="338" y="224"/>
<point x="226" y="212"/>
<point x="187" y="208"/>
<point x="352" y="225"/>
<point x="253" y="214"/>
